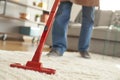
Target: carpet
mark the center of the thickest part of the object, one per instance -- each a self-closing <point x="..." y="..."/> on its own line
<point x="69" y="67"/>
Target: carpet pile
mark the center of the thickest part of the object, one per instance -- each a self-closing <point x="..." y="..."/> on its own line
<point x="69" y="67"/>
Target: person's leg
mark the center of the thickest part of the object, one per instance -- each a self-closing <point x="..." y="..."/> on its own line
<point x="86" y="28"/>
<point x="60" y="25"/>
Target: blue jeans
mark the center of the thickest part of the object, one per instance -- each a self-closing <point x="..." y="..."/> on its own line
<point x="60" y="27"/>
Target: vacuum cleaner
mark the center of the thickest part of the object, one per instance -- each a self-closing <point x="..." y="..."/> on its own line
<point x="35" y="63"/>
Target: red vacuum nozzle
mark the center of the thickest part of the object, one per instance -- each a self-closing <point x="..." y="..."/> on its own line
<point x="34" y="66"/>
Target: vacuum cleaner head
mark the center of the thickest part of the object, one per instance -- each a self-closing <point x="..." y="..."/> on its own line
<point x="34" y="66"/>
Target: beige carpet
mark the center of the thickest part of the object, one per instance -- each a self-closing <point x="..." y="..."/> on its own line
<point x="69" y="67"/>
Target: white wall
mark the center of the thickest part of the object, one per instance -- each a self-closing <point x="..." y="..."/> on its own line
<point x="75" y="11"/>
<point x="110" y="4"/>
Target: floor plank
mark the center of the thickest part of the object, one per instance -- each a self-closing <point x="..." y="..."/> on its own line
<point x="20" y="46"/>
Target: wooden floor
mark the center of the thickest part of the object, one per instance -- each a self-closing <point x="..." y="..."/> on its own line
<point x="19" y="46"/>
